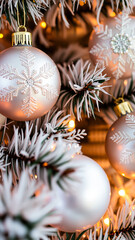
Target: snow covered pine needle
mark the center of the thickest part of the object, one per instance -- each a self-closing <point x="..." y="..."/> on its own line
<point x="26" y="210"/>
<point x="46" y="157"/>
<point x="81" y="85"/>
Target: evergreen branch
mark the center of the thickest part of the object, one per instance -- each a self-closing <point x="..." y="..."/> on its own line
<point x="8" y="9"/>
<point x="26" y="209"/>
<point x="56" y="123"/>
<point x="47" y="158"/>
<point x="81" y="85"/>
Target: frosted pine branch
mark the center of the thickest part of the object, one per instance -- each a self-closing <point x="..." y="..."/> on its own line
<point x="55" y="8"/>
<point x="46" y="157"/>
<point x="121" y="226"/>
<point x="26" y="210"/>
<point x="81" y="86"/>
<point x="55" y="122"/>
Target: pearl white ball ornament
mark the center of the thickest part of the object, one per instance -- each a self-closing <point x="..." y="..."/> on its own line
<point x="86" y="197"/>
<point x="112" y="45"/>
<point x="30" y="81"/>
<point x="120" y="142"/>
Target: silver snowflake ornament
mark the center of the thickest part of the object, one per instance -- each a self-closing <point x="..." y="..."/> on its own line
<point x="120" y="43"/>
<point x="34" y="86"/>
<point x="112" y="46"/>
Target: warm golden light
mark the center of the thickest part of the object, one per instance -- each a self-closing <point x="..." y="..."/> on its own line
<point x="71" y="124"/>
<point x="43" y="24"/>
<point x="1" y="35"/>
<point x="106" y="221"/>
<point x="45" y="164"/>
<point x="123" y="174"/>
<point x="122" y="192"/>
<point x="81" y="3"/>
<point x="125" y="82"/>
<point x="35" y="176"/>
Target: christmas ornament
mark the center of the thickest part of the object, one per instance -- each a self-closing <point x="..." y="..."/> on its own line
<point x="86" y="198"/>
<point x="120" y="141"/>
<point x="30" y="81"/>
<point x="113" y="45"/>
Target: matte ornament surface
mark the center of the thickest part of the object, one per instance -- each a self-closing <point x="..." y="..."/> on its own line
<point x="30" y="83"/>
<point x="120" y="145"/>
<point x="86" y="198"/>
<point x="112" y="45"/>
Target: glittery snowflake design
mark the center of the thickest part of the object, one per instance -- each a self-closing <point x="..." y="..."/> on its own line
<point x="29" y="82"/>
<point x="117" y="48"/>
<point x="120" y="43"/>
<point x="127" y="156"/>
<point x="121" y="137"/>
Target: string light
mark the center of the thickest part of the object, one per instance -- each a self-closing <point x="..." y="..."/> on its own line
<point x="35" y="176"/>
<point x="43" y="24"/>
<point x="106" y="221"/>
<point x="71" y="125"/>
<point x="82" y="3"/>
<point x="45" y="164"/>
<point x="125" y="82"/>
<point x="122" y="192"/>
<point x="1" y="35"/>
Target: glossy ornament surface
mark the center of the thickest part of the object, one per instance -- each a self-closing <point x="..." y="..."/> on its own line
<point x="30" y="83"/>
<point x="86" y="197"/>
<point x="120" y="145"/>
<point x="112" y="45"/>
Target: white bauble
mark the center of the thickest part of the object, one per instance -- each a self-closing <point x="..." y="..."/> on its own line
<point x="112" y="45"/>
<point x="86" y="198"/>
<point x="29" y="83"/>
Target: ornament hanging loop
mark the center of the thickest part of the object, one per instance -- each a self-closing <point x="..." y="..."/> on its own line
<point x="21" y="37"/>
<point x="21" y="27"/>
<point x="24" y="15"/>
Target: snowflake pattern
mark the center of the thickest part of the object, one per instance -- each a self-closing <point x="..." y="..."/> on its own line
<point x="29" y="82"/>
<point x="116" y="46"/>
<point x="127" y="156"/>
<point x="121" y="137"/>
<point x="120" y="43"/>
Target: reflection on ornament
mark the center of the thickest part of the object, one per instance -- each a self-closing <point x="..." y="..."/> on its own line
<point x="86" y="196"/>
<point x="120" y="145"/>
<point x="30" y="82"/>
<point x="113" y="45"/>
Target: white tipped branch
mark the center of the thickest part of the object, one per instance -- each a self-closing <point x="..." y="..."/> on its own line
<point x="81" y="86"/>
<point x="26" y="210"/>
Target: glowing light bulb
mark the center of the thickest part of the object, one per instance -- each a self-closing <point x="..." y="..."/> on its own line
<point x="125" y="82"/>
<point x="106" y="221"/>
<point x="1" y="35"/>
<point x="122" y="192"/>
<point x="36" y="176"/>
<point x="81" y="3"/>
<point x="43" y="24"/>
<point x="71" y="125"/>
<point x="45" y="164"/>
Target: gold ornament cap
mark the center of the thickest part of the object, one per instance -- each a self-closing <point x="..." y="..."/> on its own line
<point x="21" y="38"/>
<point x="122" y="107"/>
